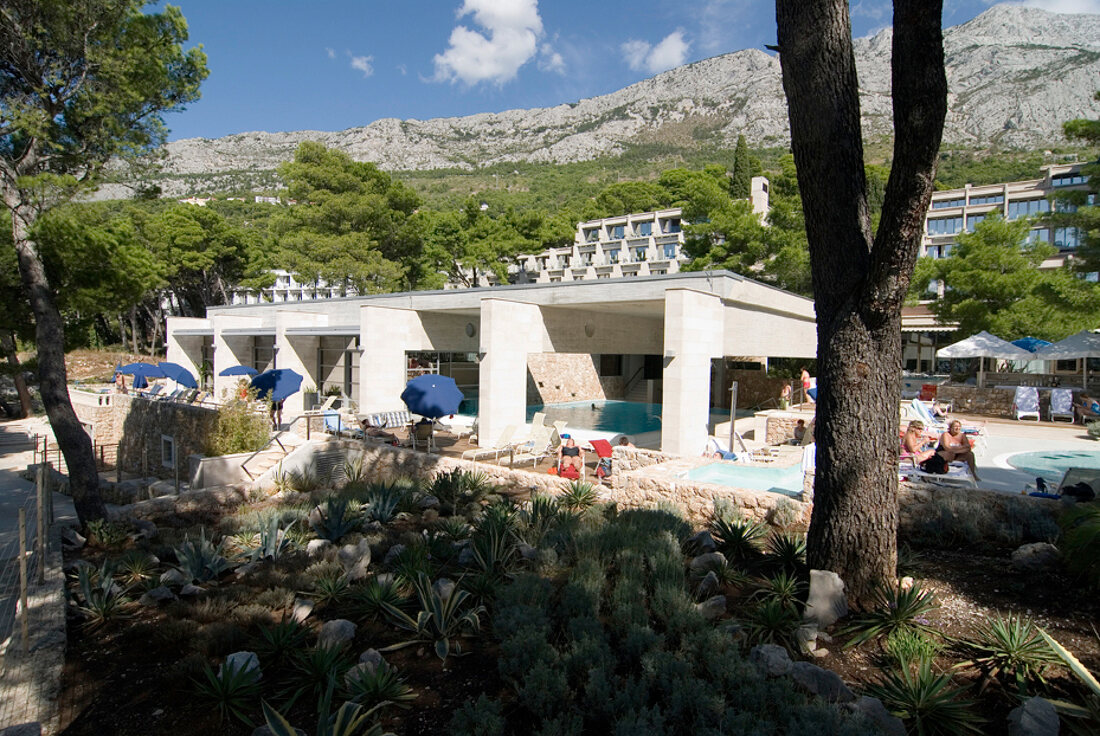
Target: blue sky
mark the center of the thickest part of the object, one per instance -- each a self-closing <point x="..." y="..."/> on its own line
<point x="280" y="65"/>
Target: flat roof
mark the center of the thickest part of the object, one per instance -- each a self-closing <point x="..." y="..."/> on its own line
<point x="334" y="331"/>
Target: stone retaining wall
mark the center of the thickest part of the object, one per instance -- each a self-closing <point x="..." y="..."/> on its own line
<point x="561" y="377"/>
<point x="991" y="402"/>
<point x="754" y="388"/>
<point x="779" y="426"/>
<point x="638" y="490"/>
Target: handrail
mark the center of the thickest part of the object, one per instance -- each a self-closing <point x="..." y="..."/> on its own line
<point x="275" y="438"/>
<point x="630" y="382"/>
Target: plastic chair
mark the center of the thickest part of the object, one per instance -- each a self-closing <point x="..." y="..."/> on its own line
<point x="1061" y="404"/>
<point x="1026" y="403"/>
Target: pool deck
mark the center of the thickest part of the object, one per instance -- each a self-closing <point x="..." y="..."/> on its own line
<point x="1006" y="437"/>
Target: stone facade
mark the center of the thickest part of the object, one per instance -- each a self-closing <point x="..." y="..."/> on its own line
<point x="754" y="388"/>
<point x="138" y="426"/>
<point x="559" y="377"/>
<point x="991" y="402"/>
<point x="779" y="426"/>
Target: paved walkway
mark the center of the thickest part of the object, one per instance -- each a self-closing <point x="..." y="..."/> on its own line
<point x="16" y="453"/>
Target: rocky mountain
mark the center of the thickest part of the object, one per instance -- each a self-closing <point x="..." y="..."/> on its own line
<point x="1015" y="74"/>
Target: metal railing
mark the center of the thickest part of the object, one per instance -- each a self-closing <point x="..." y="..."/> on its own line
<point x="106" y="455"/>
<point x="275" y="439"/>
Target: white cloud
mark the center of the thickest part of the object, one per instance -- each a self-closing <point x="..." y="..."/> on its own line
<point x="403" y="69"/>
<point x="1066" y="6"/>
<point x="550" y="60"/>
<point x="510" y="39"/>
<point x="670" y="52"/>
<point x="363" y="64"/>
<point x="331" y="52"/>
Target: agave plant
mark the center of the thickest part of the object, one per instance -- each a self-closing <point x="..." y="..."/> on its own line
<point x="738" y="539"/>
<point x="927" y="702"/>
<point x="773" y="622"/>
<point x="271" y="543"/>
<point x="1085" y="718"/>
<point x="371" y="599"/>
<point x="276" y="643"/>
<point x="379" y="686"/>
<point x="454" y="528"/>
<point x="353" y="469"/>
<point x="315" y="671"/>
<point x="136" y="569"/>
<point x="895" y="608"/>
<point x="333" y="520"/>
<point x="232" y="688"/>
<point x="100" y="599"/>
<point x="303" y="481"/>
<point x="786" y="551"/>
<point x="1010" y="648"/>
<point x="441" y="621"/>
<point x="579" y="496"/>
<point x="783" y="587"/>
<point x="382" y="501"/>
<point x="330" y="589"/>
<point x="537" y="518"/>
<point x="349" y="720"/>
<point x="458" y="489"/>
<point x="201" y="561"/>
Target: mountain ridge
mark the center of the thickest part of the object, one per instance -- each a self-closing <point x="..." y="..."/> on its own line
<point x="1014" y="75"/>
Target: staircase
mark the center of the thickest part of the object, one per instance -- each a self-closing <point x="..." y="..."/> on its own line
<point x="268" y="458"/>
<point x="639" y="393"/>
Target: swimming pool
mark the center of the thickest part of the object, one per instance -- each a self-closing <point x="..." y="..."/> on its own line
<point x="1051" y="465"/>
<point x="627" y="417"/>
<point x="784" y="480"/>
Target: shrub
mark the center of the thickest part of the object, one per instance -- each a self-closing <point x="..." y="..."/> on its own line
<point x="1081" y="540"/>
<point x="277" y="643"/>
<point x="785" y="514"/>
<point x="911" y="648"/>
<point x="773" y="622"/>
<point x="440" y="621"/>
<point x="458" y="489"/>
<point x="238" y="428"/>
<point x="738" y="539"/>
<point x="349" y="720"/>
<point x="371" y="599"/>
<point x="786" y="552"/>
<point x="304" y="481"/>
<point x="136" y="569"/>
<point x="201" y="561"/>
<point x="537" y="518"/>
<point x="783" y="587"/>
<point x="333" y="520"/>
<point x="330" y="589"/>
<point x="579" y="496"/>
<point x="382" y="685"/>
<point x="315" y="671"/>
<point x="107" y="534"/>
<point x="895" y="608"/>
<point x="928" y="702"/>
<point x="233" y="689"/>
<point x="483" y="717"/>
<point x="1010" y="649"/>
<point x="270" y="544"/>
<point x="1093" y="428"/>
<point x="100" y="599"/>
<point x="453" y="528"/>
<point x="382" y="501"/>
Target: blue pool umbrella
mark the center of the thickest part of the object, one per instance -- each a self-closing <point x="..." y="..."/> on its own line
<point x="141" y="370"/>
<point x="179" y="374"/>
<point x="1030" y="344"/>
<point x="277" y="384"/>
<point x="239" y="370"/>
<point x="432" y="396"/>
<point x="139" y="382"/>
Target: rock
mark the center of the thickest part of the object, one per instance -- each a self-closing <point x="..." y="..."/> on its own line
<point x="190" y="590"/>
<point x="821" y="682"/>
<point x="144" y="529"/>
<point x="23" y="729"/>
<point x="527" y="552"/>
<point x="1036" y="557"/>
<point x="247" y="569"/>
<point x="371" y="657"/>
<point x="359" y="670"/>
<point x="71" y="539"/>
<point x="429" y="502"/>
<point x="906" y="583"/>
<point x="874" y="711"/>
<point x="156" y="596"/>
<point x="701" y="543"/>
<point x="392" y="554"/>
<point x="374" y="527"/>
<point x="1034" y="717"/>
<point x="712" y="607"/>
<point x="708" y="586"/>
<point x="355" y="559"/>
<point x="174" y="576"/>
<point x="444" y="588"/>
<point x="771" y="659"/>
<point x="807" y="638"/>
<point x="336" y="633"/>
<point x="826" y="602"/>
<point x="702" y="562"/>
<point x="466" y="557"/>
<point x="162" y="488"/>
<point x="385" y="578"/>
<point x="301" y="610"/>
<point x="429" y="516"/>
<point x="243" y="662"/>
<point x="317" y="548"/>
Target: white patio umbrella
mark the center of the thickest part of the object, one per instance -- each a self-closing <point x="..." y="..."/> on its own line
<point x="1083" y="345"/>
<point x="984" y="345"/>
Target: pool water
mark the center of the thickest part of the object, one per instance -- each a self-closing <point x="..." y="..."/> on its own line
<point x="785" y="480"/>
<point x="627" y="417"/>
<point x="1051" y="465"/>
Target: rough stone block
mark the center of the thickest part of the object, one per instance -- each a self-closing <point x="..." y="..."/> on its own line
<point x="826" y="602"/>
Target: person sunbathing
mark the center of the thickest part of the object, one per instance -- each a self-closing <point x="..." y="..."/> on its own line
<point x="954" y="445"/>
<point x="569" y="454"/>
<point x="914" y="443"/>
<point x="1087" y="408"/>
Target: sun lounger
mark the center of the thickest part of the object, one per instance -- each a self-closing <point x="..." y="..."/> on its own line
<point x="337" y="425"/>
<point x="1026" y="403"/>
<point x="958" y="475"/>
<point x="504" y="444"/>
<point x="1061" y="404"/>
<point x="535" y="448"/>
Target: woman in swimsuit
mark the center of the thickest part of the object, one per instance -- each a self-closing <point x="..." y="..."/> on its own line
<point x="914" y="443"/>
<point x="570" y="454"/>
<point x="954" y="445"/>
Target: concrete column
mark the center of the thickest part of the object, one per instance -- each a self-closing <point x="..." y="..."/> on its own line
<point x="230" y="350"/>
<point x="297" y="353"/>
<point x="185" y="349"/>
<point x="693" y="335"/>
<point x="507" y="330"/>
<point x="385" y="334"/>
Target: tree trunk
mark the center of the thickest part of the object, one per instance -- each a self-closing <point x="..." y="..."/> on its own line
<point x="7" y="344"/>
<point x="53" y="379"/>
<point x="859" y="284"/>
<point x="122" y="333"/>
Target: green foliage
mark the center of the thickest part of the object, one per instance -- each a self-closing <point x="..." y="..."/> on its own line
<point x="1010" y="649"/>
<point x="271" y="543"/>
<point x="232" y="688"/>
<point x="136" y="569"/>
<point x="305" y="480"/>
<point x="1089" y="711"/>
<point x="382" y="501"/>
<point x="995" y="284"/>
<point x="1093" y="428"/>
<point x="379" y="686"/>
<point x="457" y="490"/>
<point x="910" y="648"/>
<point x="1081" y="540"/>
<point x="201" y="561"/>
<point x="786" y="552"/>
<point x="927" y="702"/>
<point x="238" y="428"/>
<point x="738" y="539"/>
<point x="783" y="587"/>
<point x="107" y="534"/>
<point x="330" y="589"/>
<point x="99" y="600"/>
<point x="277" y="643"/>
<point x="579" y="496"/>
<point x="483" y="717"/>
<point x="741" y="175"/>
<point x="441" y="621"/>
<point x="773" y="621"/>
<point x="372" y="598"/>
<point x="315" y="672"/>
<point x="894" y="608"/>
<point x="349" y="720"/>
<point x="334" y="520"/>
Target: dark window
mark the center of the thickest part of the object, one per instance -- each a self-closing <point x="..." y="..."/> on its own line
<point x="611" y="365"/>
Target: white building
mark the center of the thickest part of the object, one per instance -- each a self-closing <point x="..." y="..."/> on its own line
<point x="595" y="335"/>
<point x="286" y="288"/>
